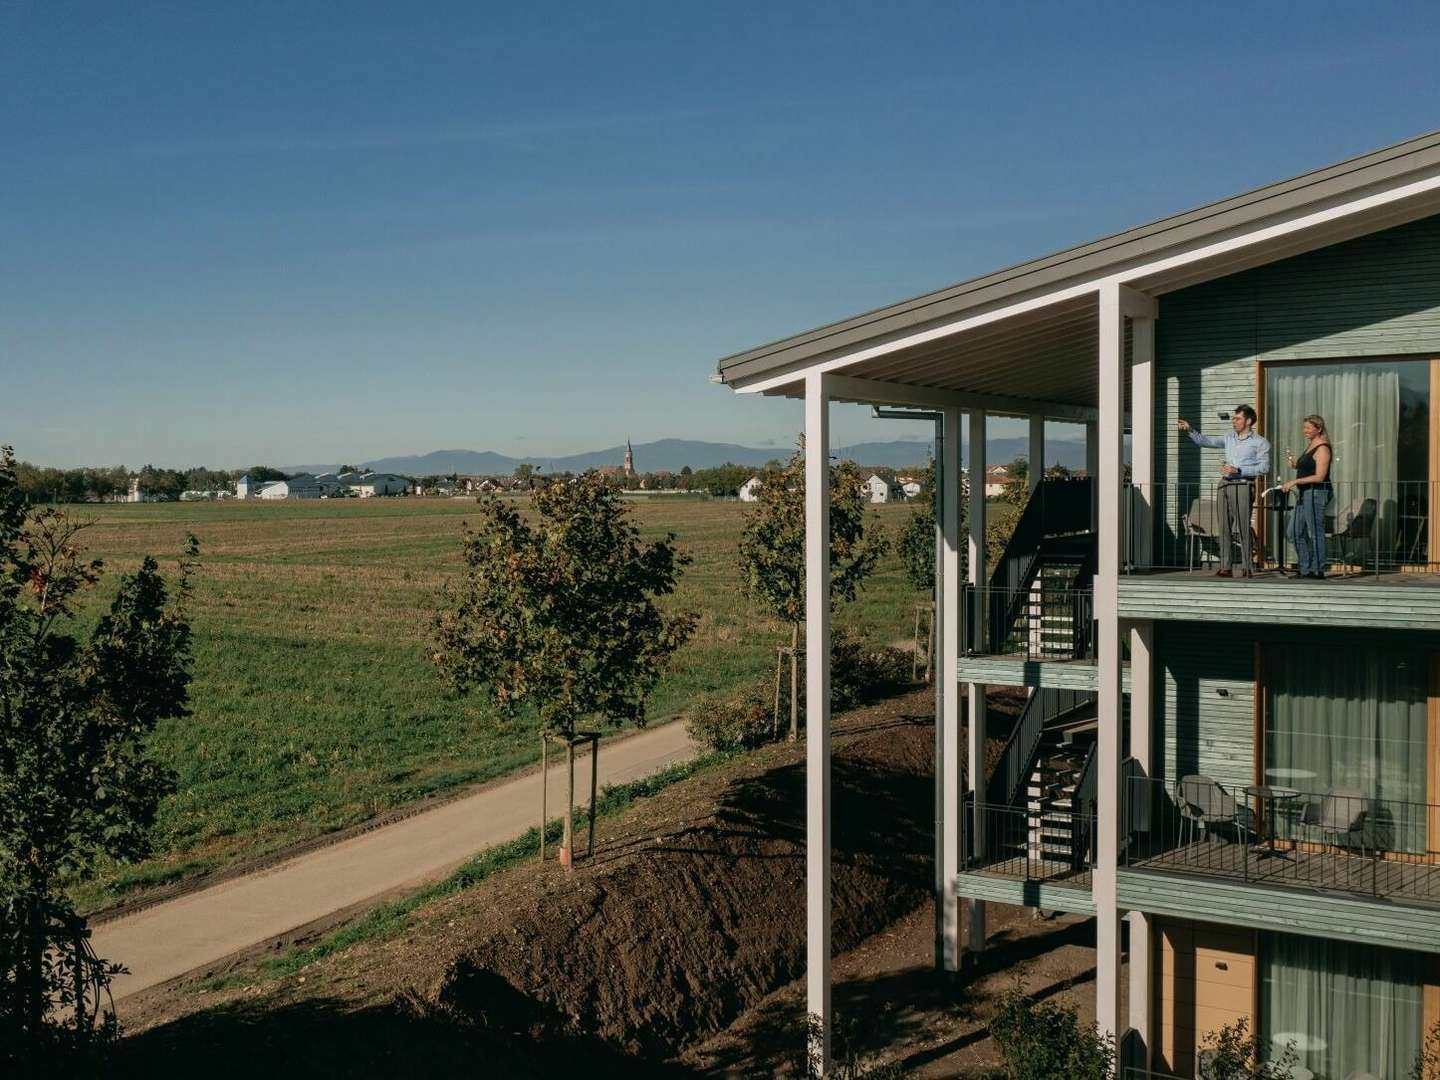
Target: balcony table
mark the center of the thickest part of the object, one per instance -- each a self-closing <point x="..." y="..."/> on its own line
<point x="1270" y="795"/>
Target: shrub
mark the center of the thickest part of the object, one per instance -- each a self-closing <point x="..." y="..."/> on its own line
<point x="742" y="721"/>
<point x="845" y="1060"/>
<point x="860" y="674"/>
<point x="1233" y="1053"/>
<point x="1042" y="1040"/>
<point x="1427" y="1064"/>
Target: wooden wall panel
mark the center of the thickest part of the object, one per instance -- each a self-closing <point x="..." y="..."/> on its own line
<point x="1204" y="977"/>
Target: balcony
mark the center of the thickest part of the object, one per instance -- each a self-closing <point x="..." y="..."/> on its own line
<point x="1381" y="561"/>
<point x="1041" y="635"/>
<point x="1356" y="867"/>
<point x="1033" y="855"/>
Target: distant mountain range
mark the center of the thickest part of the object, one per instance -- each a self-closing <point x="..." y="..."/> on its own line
<point x="674" y="454"/>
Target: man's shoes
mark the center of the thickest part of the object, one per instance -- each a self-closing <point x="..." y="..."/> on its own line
<point x="1223" y="573"/>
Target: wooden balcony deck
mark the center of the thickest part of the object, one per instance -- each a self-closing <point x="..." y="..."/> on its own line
<point x="1367" y="877"/>
<point x="1399" y="601"/>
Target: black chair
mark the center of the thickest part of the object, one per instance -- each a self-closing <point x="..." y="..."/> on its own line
<point x="1204" y="805"/>
<point x="1340" y="817"/>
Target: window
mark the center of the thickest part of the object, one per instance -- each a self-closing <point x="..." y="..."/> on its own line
<point x="1356" y="719"/>
<point x="1377" y="415"/>
<point x="1347" y="1009"/>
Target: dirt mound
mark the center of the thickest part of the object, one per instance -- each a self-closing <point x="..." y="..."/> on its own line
<point x="691" y="912"/>
<point x="673" y="932"/>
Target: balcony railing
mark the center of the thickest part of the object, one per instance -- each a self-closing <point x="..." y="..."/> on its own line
<point x="1043" y="622"/>
<point x="1029" y="843"/>
<point x="1334" y="842"/>
<point x="1371" y="527"/>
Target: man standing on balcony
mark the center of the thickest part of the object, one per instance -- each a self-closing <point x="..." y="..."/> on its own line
<point x="1247" y="456"/>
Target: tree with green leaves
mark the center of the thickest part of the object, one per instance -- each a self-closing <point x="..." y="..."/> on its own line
<point x="1042" y="1040"/>
<point x="772" y="550"/>
<point x="560" y="614"/>
<point x="1233" y="1052"/>
<point x="76" y="785"/>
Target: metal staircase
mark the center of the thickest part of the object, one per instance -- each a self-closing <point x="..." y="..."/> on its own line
<point x="1038" y="600"/>
<point x="1059" y="797"/>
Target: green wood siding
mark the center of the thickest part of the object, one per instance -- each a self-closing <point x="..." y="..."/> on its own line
<point x="1017" y="893"/>
<point x="1205" y="712"/>
<point x="1377" y="295"/>
<point x="1017" y="671"/>
<point x="1291" y="911"/>
<point x="1359" y="603"/>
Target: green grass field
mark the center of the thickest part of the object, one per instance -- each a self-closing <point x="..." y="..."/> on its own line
<point x="314" y="706"/>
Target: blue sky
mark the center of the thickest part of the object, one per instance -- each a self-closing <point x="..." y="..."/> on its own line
<point x="288" y="232"/>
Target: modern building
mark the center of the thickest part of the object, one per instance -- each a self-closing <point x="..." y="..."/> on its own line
<point x="1237" y="777"/>
<point x="299" y="486"/>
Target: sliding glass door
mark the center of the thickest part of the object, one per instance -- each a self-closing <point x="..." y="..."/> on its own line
<point x="1353" y="719"/>
<point x="1377" y="415"/>
<point x="1348" y="1010"/>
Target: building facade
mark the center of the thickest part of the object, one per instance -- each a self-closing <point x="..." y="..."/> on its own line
<point x="1236" y="775"/>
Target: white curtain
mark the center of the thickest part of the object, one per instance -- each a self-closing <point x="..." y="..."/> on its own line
<point x="1347" y="1008"/>
<point x="1353" y="717"/>
<point x="1361" y="406"/>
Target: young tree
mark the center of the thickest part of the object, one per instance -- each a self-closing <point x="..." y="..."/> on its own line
<point x="561" y="615"/>
<point x="1233" y="1053"/>
<point x="1042" y="1040"/>
<point x="75" y="783"/>
<point x="772" y="548"/>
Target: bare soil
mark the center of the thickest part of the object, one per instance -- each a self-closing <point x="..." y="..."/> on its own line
<point x="677" y="951"/>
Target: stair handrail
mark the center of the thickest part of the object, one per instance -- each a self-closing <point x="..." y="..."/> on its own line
<point x="1082" y="812"/>
<point x="1059" y="506"/>
<point x="1011" y="771"/>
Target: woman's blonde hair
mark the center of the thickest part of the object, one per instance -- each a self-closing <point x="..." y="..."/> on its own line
<point x="1319" y="422"/>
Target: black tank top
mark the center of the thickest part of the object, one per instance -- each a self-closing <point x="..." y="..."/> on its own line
<point x="1305" y="466"/>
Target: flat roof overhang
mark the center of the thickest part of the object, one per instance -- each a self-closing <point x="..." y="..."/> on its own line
<point x="1024" y="340"/>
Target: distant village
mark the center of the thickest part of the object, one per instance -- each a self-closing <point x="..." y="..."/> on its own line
<point x="150" y="484"/>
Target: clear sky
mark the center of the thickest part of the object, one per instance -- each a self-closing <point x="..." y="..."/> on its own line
<point x="290" y="232"/>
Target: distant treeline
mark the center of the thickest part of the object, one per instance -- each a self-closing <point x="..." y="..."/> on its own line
<point x="103" y="483"/>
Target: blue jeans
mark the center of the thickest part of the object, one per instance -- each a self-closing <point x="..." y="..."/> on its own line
<point x="1307" y="528"/>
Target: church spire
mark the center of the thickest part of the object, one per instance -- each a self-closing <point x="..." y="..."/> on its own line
<point x="629" y="459"/>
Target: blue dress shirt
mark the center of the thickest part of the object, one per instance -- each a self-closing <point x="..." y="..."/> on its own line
<point x="1251" y="455"/>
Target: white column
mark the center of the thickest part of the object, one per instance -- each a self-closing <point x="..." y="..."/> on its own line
<point x="1142" y="502"/>
<point x="1142" y="728"/>
<point x="1143" y="498"/>
<point x="1037" y="451"/>
<point x="1092" y="466"/>
<point x="817" y="713"/>
<point x="949" y="683"/>
<point x="1106" y="449"/>
<point x="975" y="694"/>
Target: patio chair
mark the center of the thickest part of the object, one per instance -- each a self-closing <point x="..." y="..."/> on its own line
<point x="1199" y="524"/>
<point x="1204" y="804"/>
<point x="1340" y="817"/>
<point x="1353" y="529"/>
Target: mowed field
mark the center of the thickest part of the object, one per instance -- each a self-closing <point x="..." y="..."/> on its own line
<point x="314" y="705"/>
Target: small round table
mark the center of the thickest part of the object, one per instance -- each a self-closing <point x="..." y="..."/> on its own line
<point x="1270" y="795"/>
<point x="1281" y="773"/>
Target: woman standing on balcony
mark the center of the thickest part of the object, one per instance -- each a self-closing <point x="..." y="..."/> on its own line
<point x="1312" y="482"/>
